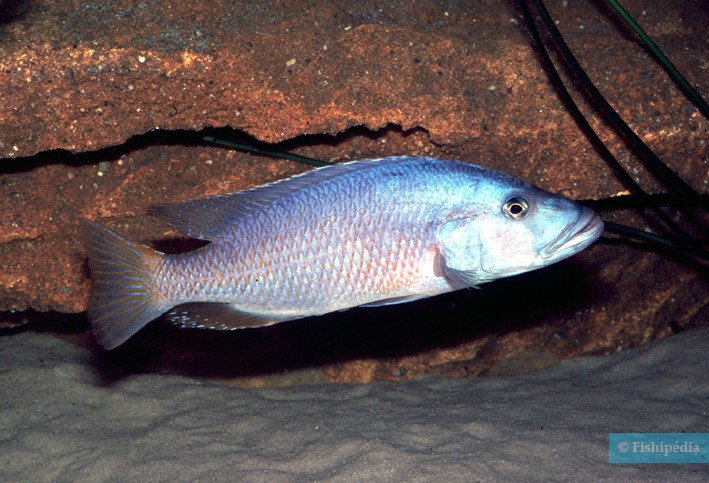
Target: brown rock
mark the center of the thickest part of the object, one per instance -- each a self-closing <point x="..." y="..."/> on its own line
<point x="341" y="80"/>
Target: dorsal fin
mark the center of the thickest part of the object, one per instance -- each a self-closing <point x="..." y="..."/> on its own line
<point x="206" y="218"/>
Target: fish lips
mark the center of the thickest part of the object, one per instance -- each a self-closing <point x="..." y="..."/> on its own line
<point x="575" y="237"/>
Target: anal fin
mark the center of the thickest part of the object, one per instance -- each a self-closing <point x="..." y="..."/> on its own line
<point x="216" y="316"/>
<point x="395" y="300"/>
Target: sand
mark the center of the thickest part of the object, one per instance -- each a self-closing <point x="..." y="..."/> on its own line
<point x="61" y="418"/>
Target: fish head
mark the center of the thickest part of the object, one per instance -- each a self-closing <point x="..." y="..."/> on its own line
<point x="512" y="227"/>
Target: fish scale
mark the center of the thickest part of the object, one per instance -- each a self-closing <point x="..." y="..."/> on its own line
<point x="352" y="268"/>
<point x="371" y="232"/>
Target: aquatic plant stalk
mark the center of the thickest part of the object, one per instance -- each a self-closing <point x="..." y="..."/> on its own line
<point x="652" y="161"/>
<point x="583" y="124"/>
<point x="661" y="242"/>
<point x="626" y="179"/>
<point x="675" y="74"/>
<point x="624" y="202"/>
<point x="275" y="154"/>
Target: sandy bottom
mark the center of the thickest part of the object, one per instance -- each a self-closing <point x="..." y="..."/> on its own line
<point x="61" y="418"/>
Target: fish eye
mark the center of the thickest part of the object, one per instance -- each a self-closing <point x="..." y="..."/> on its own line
<point x="515" y="208"/>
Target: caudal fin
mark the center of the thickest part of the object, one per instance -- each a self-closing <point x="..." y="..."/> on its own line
<point x="122" y="301"/>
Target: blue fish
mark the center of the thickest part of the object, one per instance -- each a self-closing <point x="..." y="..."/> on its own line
<point x="369" y="232"/>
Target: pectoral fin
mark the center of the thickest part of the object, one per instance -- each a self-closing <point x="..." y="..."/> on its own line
<point x="459" y="246"/>
<point x="461" y="278"/>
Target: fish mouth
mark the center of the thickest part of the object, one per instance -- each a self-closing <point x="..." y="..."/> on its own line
<point x="575" y="237"/>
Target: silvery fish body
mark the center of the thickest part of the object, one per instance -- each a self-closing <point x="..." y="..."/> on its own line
<point x="361" y="233"/>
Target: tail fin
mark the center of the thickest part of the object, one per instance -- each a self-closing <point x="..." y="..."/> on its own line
<point x="122" y="301"/>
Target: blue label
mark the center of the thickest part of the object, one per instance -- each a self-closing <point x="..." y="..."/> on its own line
<point x="658" y="447"/>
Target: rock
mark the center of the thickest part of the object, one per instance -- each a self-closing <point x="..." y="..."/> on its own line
<point x="338" y="80"/>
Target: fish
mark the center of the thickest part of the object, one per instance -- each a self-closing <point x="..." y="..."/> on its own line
<point x="371" y="232"/>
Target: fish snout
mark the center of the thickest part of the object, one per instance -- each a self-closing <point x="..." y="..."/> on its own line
<point x="587" y="228"/>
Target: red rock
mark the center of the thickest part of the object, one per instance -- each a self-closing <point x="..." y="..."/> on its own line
<point x="461" y="81"/>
